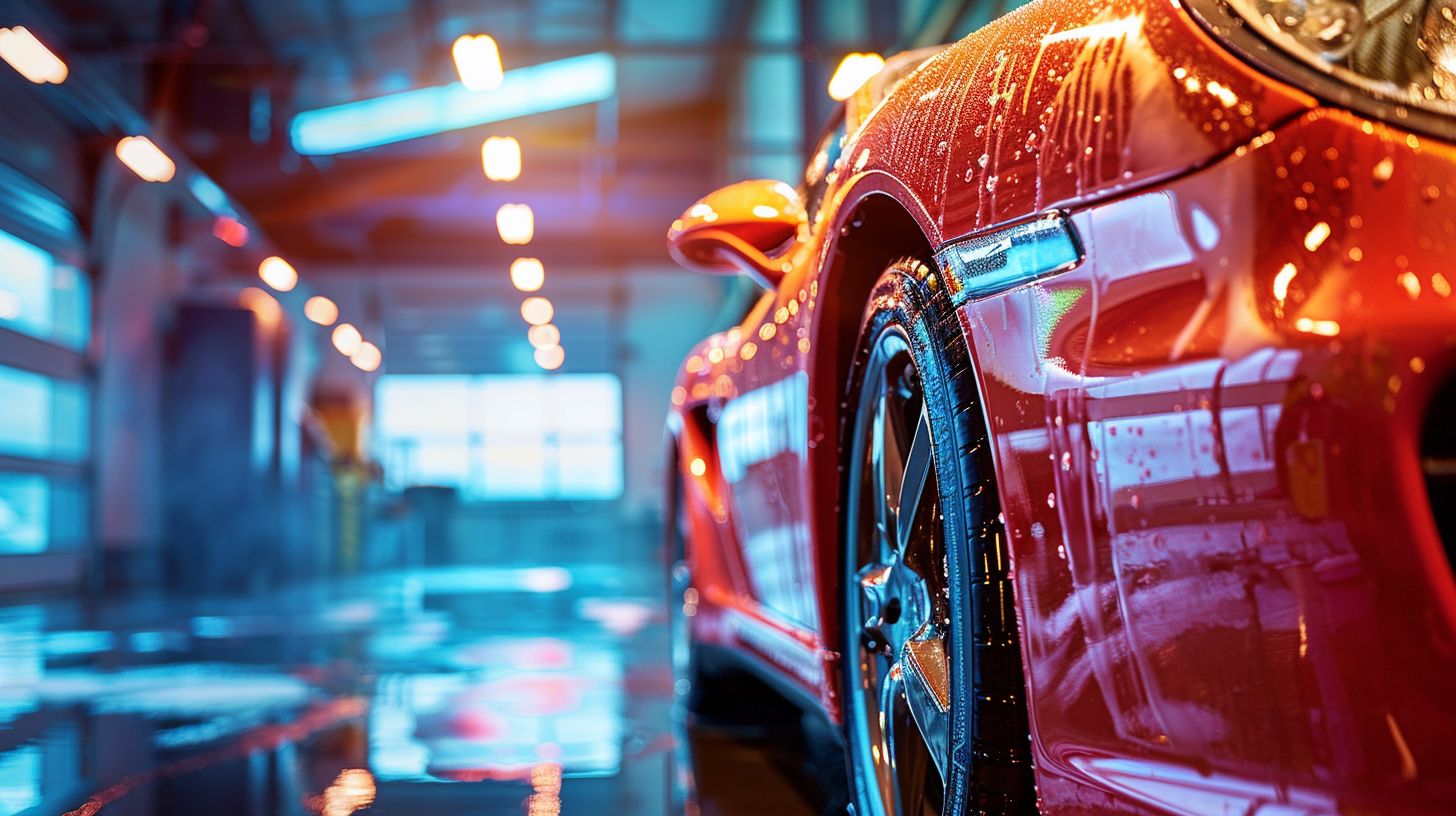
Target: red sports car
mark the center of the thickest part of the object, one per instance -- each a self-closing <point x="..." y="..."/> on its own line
<point x="1093" y="445"/>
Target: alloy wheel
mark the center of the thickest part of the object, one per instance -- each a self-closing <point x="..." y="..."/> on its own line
<point x="896" y="602"/>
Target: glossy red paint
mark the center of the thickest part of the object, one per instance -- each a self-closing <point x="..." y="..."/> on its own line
<point x="1231" y="591"/>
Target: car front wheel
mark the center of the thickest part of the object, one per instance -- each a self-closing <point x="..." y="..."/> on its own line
<point x="934" y="703"/>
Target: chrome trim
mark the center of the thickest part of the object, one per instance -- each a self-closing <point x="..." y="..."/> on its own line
<point x="1009" y="256"/>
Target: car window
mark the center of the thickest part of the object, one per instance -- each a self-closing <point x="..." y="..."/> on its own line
<point x="820" y="172"/>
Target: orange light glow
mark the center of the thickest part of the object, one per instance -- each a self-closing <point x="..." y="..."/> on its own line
<point x="278" y="273"/>
<point x="1282" y="281"/>
<point x="527" y="274"/>
<point x="516" y="223"/>
<point x="230" y="231"/>
<point x="145" y="159"/>
<point x="263" y="305"/>
<point x="477" y="58"/>
<point x="353" y="789"/>
<point x="321" y="310"/>
<point x="698" y="467"/>
<point x="537" y="311"/>
<point x="367" y="357"/>
<point x="1324" y="328"/>
<point x="853" y="71"/>
<point x="501" y="157"/>
<point x="347" y="339"/>
<point x="550" y="357"/>
<point x="544" y="335"/>
<point x="30" y="57"/>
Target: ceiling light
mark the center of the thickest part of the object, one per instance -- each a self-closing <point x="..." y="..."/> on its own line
<point x="30" y="57"/>
<point x="564" y="83"/>
<point x="278" y="273"/>
<point x="230" y="231"/>
<point x="537" y="311"/>
<point x="544" y="335"/>
<point x="478" y="60"/>
<point x="550" y="357"/>
<point x="347" y="339"/>
<point x="516" y="223"/>
<point x="367" y="357"/>
<point x="145" y="159"/>
<point x="501" y="156"/>
<point x="263" y="305"/>
<point x="853" y="71"/>
<point x="321" y="310"/>
<point x="527" y="274"/>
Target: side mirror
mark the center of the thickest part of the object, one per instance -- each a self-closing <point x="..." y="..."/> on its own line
<point x="746" y="227"/>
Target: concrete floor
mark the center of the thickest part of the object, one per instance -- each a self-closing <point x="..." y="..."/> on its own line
<point x="449" y="691"/>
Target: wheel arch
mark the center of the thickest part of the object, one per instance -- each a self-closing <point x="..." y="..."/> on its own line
<point x="878" y="222"/>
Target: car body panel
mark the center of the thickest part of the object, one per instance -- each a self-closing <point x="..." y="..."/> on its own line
<point x="1231" y="592"/>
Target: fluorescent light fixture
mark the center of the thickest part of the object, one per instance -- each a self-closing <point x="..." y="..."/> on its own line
<point x="527" y="274"/>
<point x="477" y="58"/>
<point x="501" y="156"/>
<point x="516" y="223"/>
<point x="537" y="311"/>
<point x="263" y="305"/>
<point x="384" y="120"/>
<point x="544" y="335"/>
<point x="853" y="71"/>
<point x="145" y="159"/>
<point x="367" y="357"/>
<point x="321" y="310"/>
<point x="550" y="357"/>
<point x="278" y="273"/>
<point x="30" y="57"/>
<point x="347" y="339"/>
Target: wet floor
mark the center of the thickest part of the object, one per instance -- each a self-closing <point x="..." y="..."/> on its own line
<point x="528" y="689"/>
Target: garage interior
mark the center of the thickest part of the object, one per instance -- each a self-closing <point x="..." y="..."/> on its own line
<point x="298" y="512"/>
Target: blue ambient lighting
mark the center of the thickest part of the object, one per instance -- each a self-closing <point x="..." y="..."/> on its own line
<point x="427" y="111"/>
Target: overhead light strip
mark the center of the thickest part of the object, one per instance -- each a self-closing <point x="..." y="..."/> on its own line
<point x="413" y="114"/>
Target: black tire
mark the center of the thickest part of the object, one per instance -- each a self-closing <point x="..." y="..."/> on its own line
<point x="967" y="580"/>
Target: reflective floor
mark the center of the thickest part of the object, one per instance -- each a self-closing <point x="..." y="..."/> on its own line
<point x="460" y="690"/>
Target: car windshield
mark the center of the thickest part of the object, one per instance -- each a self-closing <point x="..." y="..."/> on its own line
<point x="1403" y="50"/>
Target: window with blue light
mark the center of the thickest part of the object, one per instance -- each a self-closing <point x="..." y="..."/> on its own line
<point x="43" y="417"/>
<point x="40" y="513"/>
<point x="41" y="297"/>
<point x="503" y="437"/>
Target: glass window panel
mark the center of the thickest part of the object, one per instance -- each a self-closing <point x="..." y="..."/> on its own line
<point x="516" y="471"/>
<point x="41" y="417"/>
<point x="40" y="298"/>
<point x="591" y="470"/>
<point x="39" y="514"/>
<point x="509" y="437"/>
<point x="423" y="404"/>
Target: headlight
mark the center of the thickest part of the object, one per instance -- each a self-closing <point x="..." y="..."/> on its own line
<point x="1397" y="52"/>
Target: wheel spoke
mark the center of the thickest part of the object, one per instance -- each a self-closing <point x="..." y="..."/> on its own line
<point x="927" y="689"/>
<point x="915" y="476"/>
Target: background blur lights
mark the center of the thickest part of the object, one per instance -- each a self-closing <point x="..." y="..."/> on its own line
<point x="230" y="231"/>
<point x="321" y="310"/>
<point x="516" y="223"/>
<point x="527" y="274"/>
<point x="367" y="356"/>
<point x="478" y="60"/>
<point x="853" y="71"/>
<point x="261" y="304"/>
<point x="278" y="273"/>
<point x="145" y="159"/>
<point x="537" y="311"/>
<point x="544" y="335"/>
<point x="550" y="357"/>
<point x="501" y="156"/>
<point x="30" y="57"/>
<point x="347" y="339"/>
